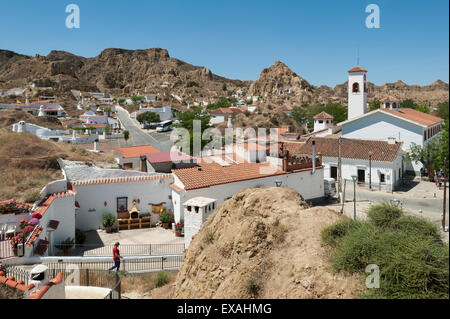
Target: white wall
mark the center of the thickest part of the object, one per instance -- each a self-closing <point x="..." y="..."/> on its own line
<point x="309" y="185"/>
<point x="93" y="197"/>
<point x="350" y="167"/>
<point x="357" y="102"/>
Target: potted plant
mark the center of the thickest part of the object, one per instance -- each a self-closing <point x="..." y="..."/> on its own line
<point x="179" y="228"/>
<point x="66" y="246"/>
<point x="165" y="218"/>
<point x="15" y="242"/>
<point x="108" y="222"/>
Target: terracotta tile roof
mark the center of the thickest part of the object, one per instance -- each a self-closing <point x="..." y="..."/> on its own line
<point x="136" y="151"/>
<point x="323" y="115"/>
<point x="175" y="187"/>
<point x="123" y="179"/>
<point x="351" y="148"/>
<point x="11" y="282"/>
<point x="415" y="116"/>
<point x="212" y="174"/>
<point x="357" y="69"/>
<point x="35" y="235"/>
<point x="55" y="281"/>
<point x="250" y="146"/>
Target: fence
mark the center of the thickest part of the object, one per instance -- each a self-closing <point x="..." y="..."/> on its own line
<point x="125" y="250"/>
<point x="6" y="251"/>
<point x="129" y="265"/>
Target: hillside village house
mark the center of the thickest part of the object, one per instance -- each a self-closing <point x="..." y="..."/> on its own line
<point x="164" y="162"/>
<point x="130" y="157"/>
<point x="219" y="177"/>
<point x="165" y="113"/>
<point x="379" y="163"/>
<point x="223" y="114"/>
<point x="40" y="108"/>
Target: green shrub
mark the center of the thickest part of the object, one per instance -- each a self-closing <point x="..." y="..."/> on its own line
<point x="384" y="214"/>
<point x="252" y="286"/>
<point x="80" y="236"/>
<point x="108" y="220"/>
<point x="331" y="234"/>
<point x="208" y="238"/>
<point x="161" y="279"/>
<point x="412" y="259"/>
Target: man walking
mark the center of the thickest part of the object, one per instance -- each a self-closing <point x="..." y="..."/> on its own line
<point x="116" y="257"/>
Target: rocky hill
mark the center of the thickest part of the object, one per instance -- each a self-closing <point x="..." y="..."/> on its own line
<point x="281" y="86"/>
<point x="148" y="71"/>
<point x="263" y="243"/>
<point x="153" y="71"/>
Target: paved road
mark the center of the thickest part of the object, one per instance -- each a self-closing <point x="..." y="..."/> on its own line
<point x="138" y="137"/>
<point x="412" y="204"/>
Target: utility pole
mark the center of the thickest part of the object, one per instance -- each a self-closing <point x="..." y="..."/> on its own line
<point x="339" y="167"/>
<point x="445" y="193"/>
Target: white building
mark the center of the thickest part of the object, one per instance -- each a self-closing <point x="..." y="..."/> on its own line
<point x="165" y="113"/>
<point x="378" y="163"/>
<point x="322" y="121"/>
<point x="357" y="92"/>
<point x="196" y="211"/>
<point x="401" y="124"/>
<point x="220" y="178"/>
<point x="223" y="114"/>
<point x="130" y="157"/>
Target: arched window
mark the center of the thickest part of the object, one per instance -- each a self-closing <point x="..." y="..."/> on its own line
<point x="355" y="87"/>
<point x="394" y="105"/>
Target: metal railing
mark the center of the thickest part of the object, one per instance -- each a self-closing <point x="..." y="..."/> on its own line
<point x="125" y="249"/>
<point x="129" y="264"/>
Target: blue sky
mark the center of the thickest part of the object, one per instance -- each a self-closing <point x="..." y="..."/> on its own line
<point x="318" y="40"/>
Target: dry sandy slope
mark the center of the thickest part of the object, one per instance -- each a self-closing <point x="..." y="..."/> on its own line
<point x="270" y="235"/>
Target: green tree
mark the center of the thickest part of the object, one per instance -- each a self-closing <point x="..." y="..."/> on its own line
<point x="422" y="108"/>
<point x="300" y="115"/>
<point x="148" y="117"/>
<point x="121" y="101"/>
<point x="108" y="129"/>
<point x="443" y="146"/>
<point x="137" y="99"/>
<point x="408" y="103"/>
<point x="224" y="87"/>
<point x="442" y="110"/>
<point x="222" y="102"/>
<point x="187" y="121"/>
<point x="126" y="135"/>
<point x="374" y="104"/>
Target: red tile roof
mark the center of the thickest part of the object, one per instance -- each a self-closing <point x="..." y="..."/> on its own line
<point x="55" y="281"/>
<point x="167" y="157"/>
<point x="136" y="151"/>
<point x="11" y="282"/>
<point x="351" y="148"/>
<point x="123" y="179"/>
<point x="389" y="99"/>
<point x="323" y="115"/>
<point x="35" y="235"/>
<point x="212" y="174"/>
<point x="415" y="116"/>
<point x="357" y="69"/>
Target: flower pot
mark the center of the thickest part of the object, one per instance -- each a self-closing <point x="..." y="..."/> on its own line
<point x="178" y="233"/>
<point x="15" y="251"/>
<point x="108" y="230"/>
<point x="68" y="251"/>
<point x="165" y="225"/>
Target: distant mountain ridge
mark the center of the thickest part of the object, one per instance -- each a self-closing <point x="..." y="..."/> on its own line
<point x="153" y="71"/>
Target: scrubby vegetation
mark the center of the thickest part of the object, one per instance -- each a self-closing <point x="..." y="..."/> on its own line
<point x="412" y="259"/>
<point x="161" y="279"/>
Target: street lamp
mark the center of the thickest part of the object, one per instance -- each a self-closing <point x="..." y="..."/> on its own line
<point x="354" y="177"/>
<point x="370" y="170"/>
<point x="278" y="183"/>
